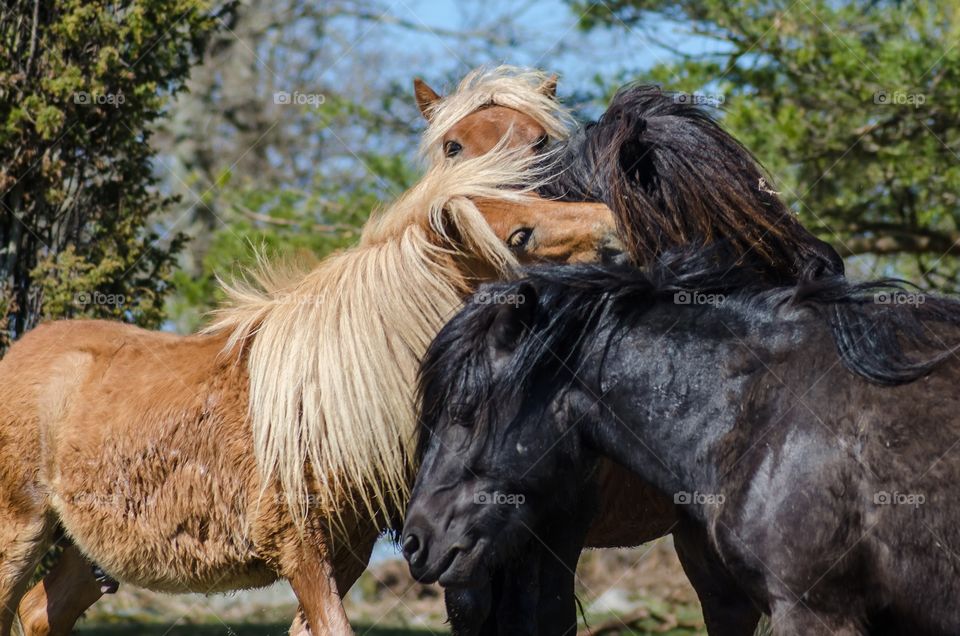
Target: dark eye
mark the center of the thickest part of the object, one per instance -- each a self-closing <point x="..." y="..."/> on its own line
<point x="541" y="143"/>
<point x="452" y="149"/>
<point x="461" y="416"/>
<point x="519" y="239"/>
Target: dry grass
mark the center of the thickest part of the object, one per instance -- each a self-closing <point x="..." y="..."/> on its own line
<point x="632" y="591"/>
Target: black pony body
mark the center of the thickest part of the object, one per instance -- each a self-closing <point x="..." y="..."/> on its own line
<point x="803" y="430"/>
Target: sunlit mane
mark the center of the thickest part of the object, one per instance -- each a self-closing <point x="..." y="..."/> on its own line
<point x="509" y="86"/>
<point x="332" y="353"/>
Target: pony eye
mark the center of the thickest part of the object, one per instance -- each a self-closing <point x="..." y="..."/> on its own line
<point x="461" y="416"/>
<point x="520" y="238"/>
<point x="540" y="143"/>
<point x="452" y="149"/>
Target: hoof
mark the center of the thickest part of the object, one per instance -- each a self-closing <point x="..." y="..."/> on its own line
<point x="108" y="584"/>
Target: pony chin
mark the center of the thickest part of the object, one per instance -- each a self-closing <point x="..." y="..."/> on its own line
<point x="496" y="541"/>
<point x="468" y="567"/>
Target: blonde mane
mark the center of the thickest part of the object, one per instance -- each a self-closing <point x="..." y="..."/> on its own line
<point x="332" y="353"/>
<point x="510" y="86"/>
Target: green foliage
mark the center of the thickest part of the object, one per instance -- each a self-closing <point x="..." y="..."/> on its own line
<point x="853" y="106"/>
<point x="280" y="222"/>
<point x="81" y="82"/>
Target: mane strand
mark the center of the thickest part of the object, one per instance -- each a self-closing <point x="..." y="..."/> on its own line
<point x="332" y="353"/>
<point x="673" y="176"/>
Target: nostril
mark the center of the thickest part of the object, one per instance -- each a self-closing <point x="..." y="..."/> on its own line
<point x="610" y="256"/>
<point x="411" y="546"/>
<point x="610" y="251"/>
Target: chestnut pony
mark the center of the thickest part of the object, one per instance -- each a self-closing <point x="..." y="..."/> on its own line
<point x="514" y="106"/>
<point x="276" y="444"/>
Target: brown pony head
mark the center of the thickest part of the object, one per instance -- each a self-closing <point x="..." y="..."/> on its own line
<point x="516" y="106"/>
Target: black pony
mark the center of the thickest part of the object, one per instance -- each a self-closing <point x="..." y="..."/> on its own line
<point x="805" y="431"/>
<point x="672" y="177"/>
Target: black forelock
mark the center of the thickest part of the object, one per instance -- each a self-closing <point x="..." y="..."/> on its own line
<point x="579" y="304"/>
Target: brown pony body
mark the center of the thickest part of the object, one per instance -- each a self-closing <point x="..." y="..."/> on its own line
<point x="138" y="444"/>
<point x="142" y="445"/>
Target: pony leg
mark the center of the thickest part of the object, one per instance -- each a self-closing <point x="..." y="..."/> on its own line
<point x="795" y="619"/>
<point x="299" y="626"/>
<point x="22" y="544"/>
<point x="52" y="606"/>
<point x="727" y="610"/>
<point x="315" y="585"/>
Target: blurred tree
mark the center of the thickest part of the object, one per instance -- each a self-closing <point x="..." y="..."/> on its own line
<point x="80" y="83"/>
<point x="854" y="106"/>
<point x="299" y="121"/>
<point x="279" y="221"/>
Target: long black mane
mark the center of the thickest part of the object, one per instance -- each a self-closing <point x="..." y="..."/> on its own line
<point x="672" y="176"/>
<point x="884" y="343"/>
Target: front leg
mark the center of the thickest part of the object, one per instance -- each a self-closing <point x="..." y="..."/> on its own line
<point x="506" y="606"/>
<point x="560" y="549"/>
<point x="534" y="594"/>
<point x="320" y="587"/>
<point x="314" y="583"/>
<point x="517" y="609"/>
<point x="727" y="610"/>
<point x="52" y="606"/>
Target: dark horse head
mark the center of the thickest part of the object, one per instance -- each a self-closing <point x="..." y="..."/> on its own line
<point x="496" y="459"/>
<point x="486" y="487"/>
<point x="672" y="176"/>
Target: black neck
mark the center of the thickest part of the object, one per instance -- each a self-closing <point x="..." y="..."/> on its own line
<point x="668" y="402"/>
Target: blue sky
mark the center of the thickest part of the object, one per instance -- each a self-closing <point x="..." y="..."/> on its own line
<point x="551" y="39"/>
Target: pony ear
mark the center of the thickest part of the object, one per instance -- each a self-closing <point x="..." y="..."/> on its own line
<point x="426" y="98"/>
<point x="549" y="86"/>
<point x="516" y="311"/>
